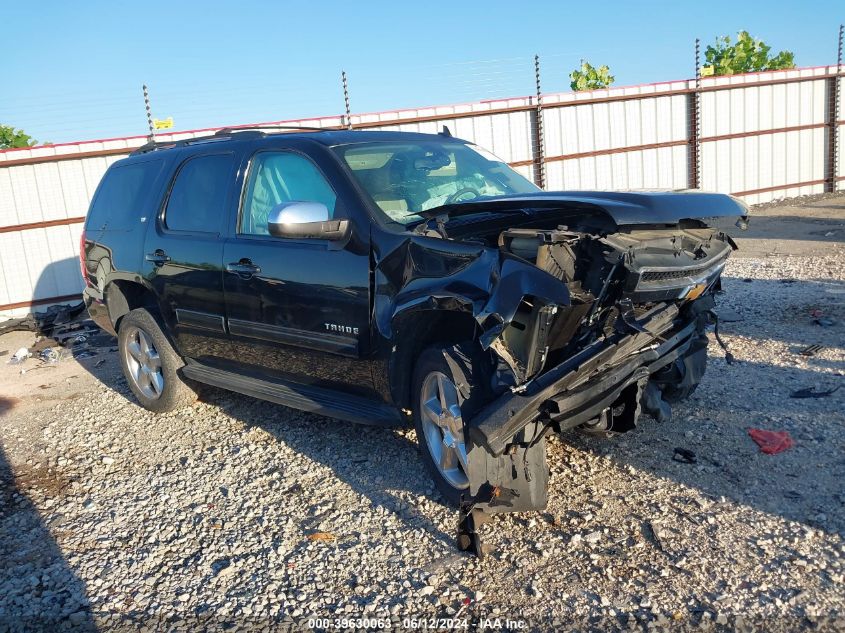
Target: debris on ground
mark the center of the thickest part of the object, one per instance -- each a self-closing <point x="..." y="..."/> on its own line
<point x="810" y="392"/>
<point x="650" y="534"/>
<point x="684" y="456"/>
<point x="25" y="324"/>
<point x="62" y="332"/>
<point x="771" y="442"/>
<point x="819" y="318"/>
<point x="50" y="355"/>
<point x="811" y="350"/>
<point x="45" y="321"/>
<point x="20" y="356"/>
<point x="42" y="343"/>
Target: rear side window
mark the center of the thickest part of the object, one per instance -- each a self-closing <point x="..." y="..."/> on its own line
<point x="197" y="201"/>
<point x="123" y="196"/>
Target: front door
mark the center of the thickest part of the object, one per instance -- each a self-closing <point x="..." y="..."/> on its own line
<point x="183" y="254"/>
<point x="298" y="309"/>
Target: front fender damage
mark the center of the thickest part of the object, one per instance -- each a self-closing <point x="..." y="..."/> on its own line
<point x="517" y="308"/>
<point x="521" y="312"/>
<point x="513" y="302"/>
<point x="517" y="320"/>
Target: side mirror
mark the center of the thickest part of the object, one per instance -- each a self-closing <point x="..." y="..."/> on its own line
<point x="305" y="220"/>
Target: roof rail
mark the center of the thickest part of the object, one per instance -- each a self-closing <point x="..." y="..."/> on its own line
<point x="246" y="128"/>
<point x="151" y="146"/>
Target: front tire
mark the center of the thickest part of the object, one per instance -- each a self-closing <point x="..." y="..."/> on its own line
<point x="150" y="364"/>
<point x="445" y="395"/>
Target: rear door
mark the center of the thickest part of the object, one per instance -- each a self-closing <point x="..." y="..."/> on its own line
<point x="297" y="308"/>
<point x="183" y="253"/>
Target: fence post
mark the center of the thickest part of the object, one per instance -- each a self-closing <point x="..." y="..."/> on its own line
<point x="152" y="136"/>
<point x="348" y="115"/>
<point x="833" y="121"/>
<point x="694" y="106"/>
<point x="537" y="129"/>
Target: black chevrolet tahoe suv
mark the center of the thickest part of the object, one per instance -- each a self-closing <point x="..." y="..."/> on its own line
<point x="389" y="278"/>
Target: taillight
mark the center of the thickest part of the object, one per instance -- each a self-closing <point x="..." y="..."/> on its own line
<point x="82" y="266"/>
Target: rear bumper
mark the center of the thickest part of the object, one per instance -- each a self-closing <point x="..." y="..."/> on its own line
<point x="97" y="309"/>
<point x="580" y="388"/>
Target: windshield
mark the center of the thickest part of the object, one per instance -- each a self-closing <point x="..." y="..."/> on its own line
<point x="405" y="178"/>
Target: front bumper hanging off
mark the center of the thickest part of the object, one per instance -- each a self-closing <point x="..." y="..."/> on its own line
<point x="586" y="384"/>
<point x="506" y="462"/>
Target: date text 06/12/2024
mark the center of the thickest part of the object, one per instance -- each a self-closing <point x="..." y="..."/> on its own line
<point x="495" y="623"/>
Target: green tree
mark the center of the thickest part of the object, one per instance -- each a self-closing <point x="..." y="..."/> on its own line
<point x="10" y="138"/>
<point x="587" y="77"/>
<point x="747" y="55"/>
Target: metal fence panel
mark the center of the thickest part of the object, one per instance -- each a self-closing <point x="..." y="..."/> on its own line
<point x="763" y="136"/>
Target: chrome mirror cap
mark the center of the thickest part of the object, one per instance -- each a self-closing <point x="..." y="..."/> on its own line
<point x="305" y="220"/>
<point x="298" y="212"/>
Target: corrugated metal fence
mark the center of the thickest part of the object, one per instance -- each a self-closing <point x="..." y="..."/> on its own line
<point x="760" y="136"/>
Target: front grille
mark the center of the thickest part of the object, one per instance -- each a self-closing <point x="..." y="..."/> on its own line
<point x="669" y="275"/>
<point x="660" y="285"/>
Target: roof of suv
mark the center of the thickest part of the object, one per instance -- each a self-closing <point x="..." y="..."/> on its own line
<point x="325" y="137"/>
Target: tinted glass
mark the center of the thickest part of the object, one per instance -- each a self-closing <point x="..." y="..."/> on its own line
<point x="198" y="198"/>
<point x="277" y="177"/>
<point x="123" y="196"/>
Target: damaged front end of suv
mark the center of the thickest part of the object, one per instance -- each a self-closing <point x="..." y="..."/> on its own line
<point x="588" y="308"/>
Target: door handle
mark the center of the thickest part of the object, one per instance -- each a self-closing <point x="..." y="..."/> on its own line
<point x="244" y="268"/>
<point x="158" y="258"/>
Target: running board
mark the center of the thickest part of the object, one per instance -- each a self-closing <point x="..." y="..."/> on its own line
<point x="296" y="396"/>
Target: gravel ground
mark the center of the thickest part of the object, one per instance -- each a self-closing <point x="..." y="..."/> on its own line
<point x="237" y="512"/>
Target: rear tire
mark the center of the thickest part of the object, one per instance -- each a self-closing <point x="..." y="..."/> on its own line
<point x="445" y="396"/>
<point x="150" y="364"/>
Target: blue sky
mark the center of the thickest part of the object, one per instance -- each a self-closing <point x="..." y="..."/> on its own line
<point x="73" y="70"/>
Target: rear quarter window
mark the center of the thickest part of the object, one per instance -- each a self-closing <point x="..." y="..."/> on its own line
<point x="123" y="196"/>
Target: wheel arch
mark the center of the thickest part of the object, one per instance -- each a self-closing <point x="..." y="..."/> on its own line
<point x="417" y="330"/>
<point x="122" y="296"/>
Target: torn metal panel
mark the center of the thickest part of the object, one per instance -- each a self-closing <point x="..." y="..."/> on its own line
<point x="523" y="343"/>
<point x="516" y="481"/>
<point x="489" y="285"/>
<point x="499" y="421"/>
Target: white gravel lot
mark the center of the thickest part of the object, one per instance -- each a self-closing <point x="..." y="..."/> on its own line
<point x="114" y="518"/>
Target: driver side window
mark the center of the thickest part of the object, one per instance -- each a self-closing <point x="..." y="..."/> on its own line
<point x="277" y="177"/>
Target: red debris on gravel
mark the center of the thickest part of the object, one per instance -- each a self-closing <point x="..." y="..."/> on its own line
<point x="771" y="442"/>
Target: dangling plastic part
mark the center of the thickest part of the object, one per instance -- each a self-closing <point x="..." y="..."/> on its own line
<point x="469" y="519"/>
<point x="729" y="358"/>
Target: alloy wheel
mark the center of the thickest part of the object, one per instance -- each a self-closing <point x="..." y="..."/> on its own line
<point x="443" y="426"/>
<point x="144" y="363"/>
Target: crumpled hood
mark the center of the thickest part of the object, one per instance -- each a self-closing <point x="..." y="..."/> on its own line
<point x="624" y="207"/>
